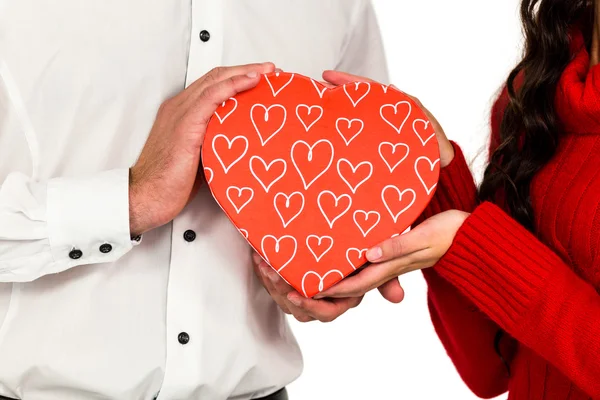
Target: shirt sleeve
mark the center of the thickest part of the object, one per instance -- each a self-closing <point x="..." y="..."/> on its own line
<point x="50" y="226"/>
<point x="363" y="53"/>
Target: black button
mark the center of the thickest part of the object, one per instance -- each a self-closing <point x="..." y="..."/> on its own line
<point x="205" y="36"/>
<point x="75" y="254"/>
<point x="137" y="238"/>
<point x="105" y="248"/>
<point x="189" y="235"/>
<point x="183" y="338"/>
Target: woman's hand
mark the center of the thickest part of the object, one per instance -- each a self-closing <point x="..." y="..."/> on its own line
<point x="446" y="149"/>
<point x="422" y="247"/>
<point x="292" y="302"/>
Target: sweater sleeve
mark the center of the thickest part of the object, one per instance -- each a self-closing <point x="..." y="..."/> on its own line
<point x="472" y="350"/>
<point x="528" y="291"/>
<point x="480" y="353"/>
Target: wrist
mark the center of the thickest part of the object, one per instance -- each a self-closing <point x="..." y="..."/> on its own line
<point x="138" y="216"/>
<point x="446" y="153"/>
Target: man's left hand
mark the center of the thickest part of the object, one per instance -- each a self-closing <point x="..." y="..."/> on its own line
<point x="292" y="302"/>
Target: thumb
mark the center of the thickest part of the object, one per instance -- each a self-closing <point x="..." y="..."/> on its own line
<point x="392" y="291"/>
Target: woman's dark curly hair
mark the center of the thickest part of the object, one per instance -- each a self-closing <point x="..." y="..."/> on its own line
<point x="529" y="129"/>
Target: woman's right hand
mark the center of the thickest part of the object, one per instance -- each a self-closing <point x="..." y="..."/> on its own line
<point x="338" y="78"/>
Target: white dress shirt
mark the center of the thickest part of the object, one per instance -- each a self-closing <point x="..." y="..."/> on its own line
<point x="80" y="84"/>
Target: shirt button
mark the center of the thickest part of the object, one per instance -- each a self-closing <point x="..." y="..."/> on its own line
<point x="205" y="36"/>
<point x="75" y="254"/>
<point x="183" y="338"/>
<point x="105" y="248"/>
<point x="189" y="235"/>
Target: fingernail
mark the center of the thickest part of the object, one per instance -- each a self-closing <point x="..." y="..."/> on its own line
<point x="252" y="74"/>
<point x="374" y="254"/>
<point x="278" y="70"/>
<point x="294" y="300"/>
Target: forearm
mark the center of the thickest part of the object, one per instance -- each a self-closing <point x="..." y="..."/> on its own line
<point x="469" y="337"/>
<point x="528" y="291"/>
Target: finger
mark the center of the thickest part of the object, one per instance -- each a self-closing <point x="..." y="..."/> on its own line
<point x="279" y="291"/>
<point x="323" y="310"/>
<point x="213" y="96"/>
<point x="327" y="84"/>
<point x="392" y="291"/>
<point x="341" y="78"/>
<point x="366" y="280"/>
<point x="278" y="283"/>
<point x="256" y="258"/>
<point x="400" y="246"/>
<point x="278" y="298"/>
<point x="219" y="74"/>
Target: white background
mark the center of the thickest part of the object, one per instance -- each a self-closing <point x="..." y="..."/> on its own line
<point x="453" y="56"/>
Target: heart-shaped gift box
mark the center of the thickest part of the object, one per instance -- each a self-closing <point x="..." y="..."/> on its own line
<point x="313" y="176"/>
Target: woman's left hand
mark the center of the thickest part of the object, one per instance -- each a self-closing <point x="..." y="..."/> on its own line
<point x="422" y="247"/>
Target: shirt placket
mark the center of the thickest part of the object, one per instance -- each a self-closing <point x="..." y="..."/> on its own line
<point x="183" y="330"/>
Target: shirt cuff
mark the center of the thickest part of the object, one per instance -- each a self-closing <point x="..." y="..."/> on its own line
<point x="88" y="218"/>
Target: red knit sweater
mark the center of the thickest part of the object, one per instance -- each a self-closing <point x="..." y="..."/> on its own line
<point x="542" y="290"/>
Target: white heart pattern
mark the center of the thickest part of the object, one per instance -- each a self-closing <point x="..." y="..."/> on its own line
<point x="315" y="250"/>
<point x="223" y="118"/>
<point x="394" y="212"/>
<point x="431" y="165"/>
<point x="286" y="220"/>
<point x="353" y="168"/>
<point x="394" y="147"/>
<point x="309" y="120"/>
<point x="277" y="249"/>
<point x="360" y="253"/>
<point x="395" y="116"/>
<point x="346" y="131"/>
<point x="366" y="229"/>
<point x="310" y="159"/>
<point x="266" y="136"/>
<point x="355" y="93"/>
<point x="267" y="168"/>
<point x="238" y="202"/>
<point x="227" y="167"/>
<point x="321" y="279"/>
<point x="425" y="126"/>
<point x="337" y="213"/>
<point x="278" y="80"/>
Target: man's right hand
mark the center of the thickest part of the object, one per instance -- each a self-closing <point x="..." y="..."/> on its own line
<point x="163" y="180"/>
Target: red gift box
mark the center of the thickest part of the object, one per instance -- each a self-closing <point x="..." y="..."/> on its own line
<point x="312" y="176"/>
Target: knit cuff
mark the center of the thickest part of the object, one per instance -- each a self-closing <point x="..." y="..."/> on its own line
<point x="499" y="265"/>
<point x="456" y="188"/>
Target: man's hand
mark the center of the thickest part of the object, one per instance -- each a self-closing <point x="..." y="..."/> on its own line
<point x="292" y="302"/>
<point x="163" y="180"/>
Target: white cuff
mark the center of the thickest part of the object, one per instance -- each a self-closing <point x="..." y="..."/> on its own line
<point x="88" y="218"/>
